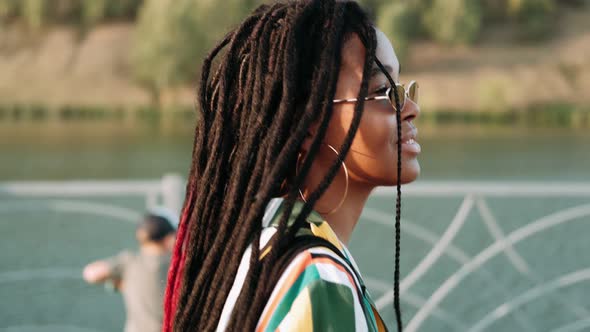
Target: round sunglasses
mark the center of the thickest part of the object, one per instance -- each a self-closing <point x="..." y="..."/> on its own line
<point x="410" y="92"/>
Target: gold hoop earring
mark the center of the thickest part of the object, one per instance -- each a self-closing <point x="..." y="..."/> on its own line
<point x="345" y="187"/>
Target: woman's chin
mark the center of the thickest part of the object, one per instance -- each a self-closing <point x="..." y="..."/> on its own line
<point x="410" y="172"/>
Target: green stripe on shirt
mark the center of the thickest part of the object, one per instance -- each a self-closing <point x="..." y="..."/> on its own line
<point x="332" y="306"/>
<point x="309" y="275"/>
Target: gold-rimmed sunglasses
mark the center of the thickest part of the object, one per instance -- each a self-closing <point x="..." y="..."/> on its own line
<point x="410" y="92"/>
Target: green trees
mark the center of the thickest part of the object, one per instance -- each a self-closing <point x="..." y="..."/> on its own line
<point x="172" y="37"/>
<point x="534" y="17"/>
<point x="166" y="37"/>
<point x="84" y="13"/>
<point x="400" y="21"/>
<point x="462" y="21"/>
<point x="446" y="21"/>
<point x="32" y="12"/>
<point x="453" y="21"/>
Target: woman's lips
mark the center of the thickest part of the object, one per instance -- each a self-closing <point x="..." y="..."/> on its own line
<point x="410" y="145"/>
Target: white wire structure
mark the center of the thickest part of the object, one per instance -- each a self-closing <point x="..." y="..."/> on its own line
<point x="167" y="191"/>
<point x="473" y="197"/>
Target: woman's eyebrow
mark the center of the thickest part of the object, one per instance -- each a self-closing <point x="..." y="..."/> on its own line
<point x="376" y="70"/>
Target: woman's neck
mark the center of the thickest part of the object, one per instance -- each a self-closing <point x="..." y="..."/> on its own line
<point x="344" y="219"/>
<point x="152" y="249"/>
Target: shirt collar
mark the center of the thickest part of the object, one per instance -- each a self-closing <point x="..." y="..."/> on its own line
<point x="318" y="226"/>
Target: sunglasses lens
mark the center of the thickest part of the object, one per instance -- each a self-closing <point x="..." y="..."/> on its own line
<point x="413" y="91"/>
<point x="400" y="94"/>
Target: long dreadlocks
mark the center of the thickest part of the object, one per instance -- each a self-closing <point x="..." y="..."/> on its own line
<point x="277" y="76"/>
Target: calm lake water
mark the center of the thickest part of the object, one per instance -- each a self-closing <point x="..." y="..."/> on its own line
<point x="61" y="241"/>
<point x="103" y="150"/>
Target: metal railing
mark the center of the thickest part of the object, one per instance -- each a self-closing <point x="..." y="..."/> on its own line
<point x="474" y="196"/>
<point x="169" y="191"/>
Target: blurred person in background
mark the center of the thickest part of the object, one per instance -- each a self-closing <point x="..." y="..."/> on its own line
<point x="140" y="276"/>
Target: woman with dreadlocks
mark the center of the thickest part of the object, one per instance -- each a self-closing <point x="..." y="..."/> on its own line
<point x="299" y="121"/>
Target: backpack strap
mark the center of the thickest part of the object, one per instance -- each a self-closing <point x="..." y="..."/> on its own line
<point x="300" y="244"/>
<point x="304" y="242"/>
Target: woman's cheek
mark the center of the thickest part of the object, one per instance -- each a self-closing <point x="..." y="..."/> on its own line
<point x="383" y="134"/>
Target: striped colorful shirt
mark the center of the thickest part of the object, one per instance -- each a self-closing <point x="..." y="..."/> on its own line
<point x="320" y="290"/>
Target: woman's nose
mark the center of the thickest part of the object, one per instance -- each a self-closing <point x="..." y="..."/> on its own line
<point x="410" y="111"/>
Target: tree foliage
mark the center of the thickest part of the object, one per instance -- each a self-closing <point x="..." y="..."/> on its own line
<point x="85" y="13"/>
<point x="172" y="36"/>
<point x="534" y="17"/>
<point x="400" y="21"/>
<point x="453" y="21"/>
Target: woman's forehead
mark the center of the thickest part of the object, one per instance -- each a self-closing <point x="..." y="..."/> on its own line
<point x="386" y="54"/>
<point x="353" y="55"/>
